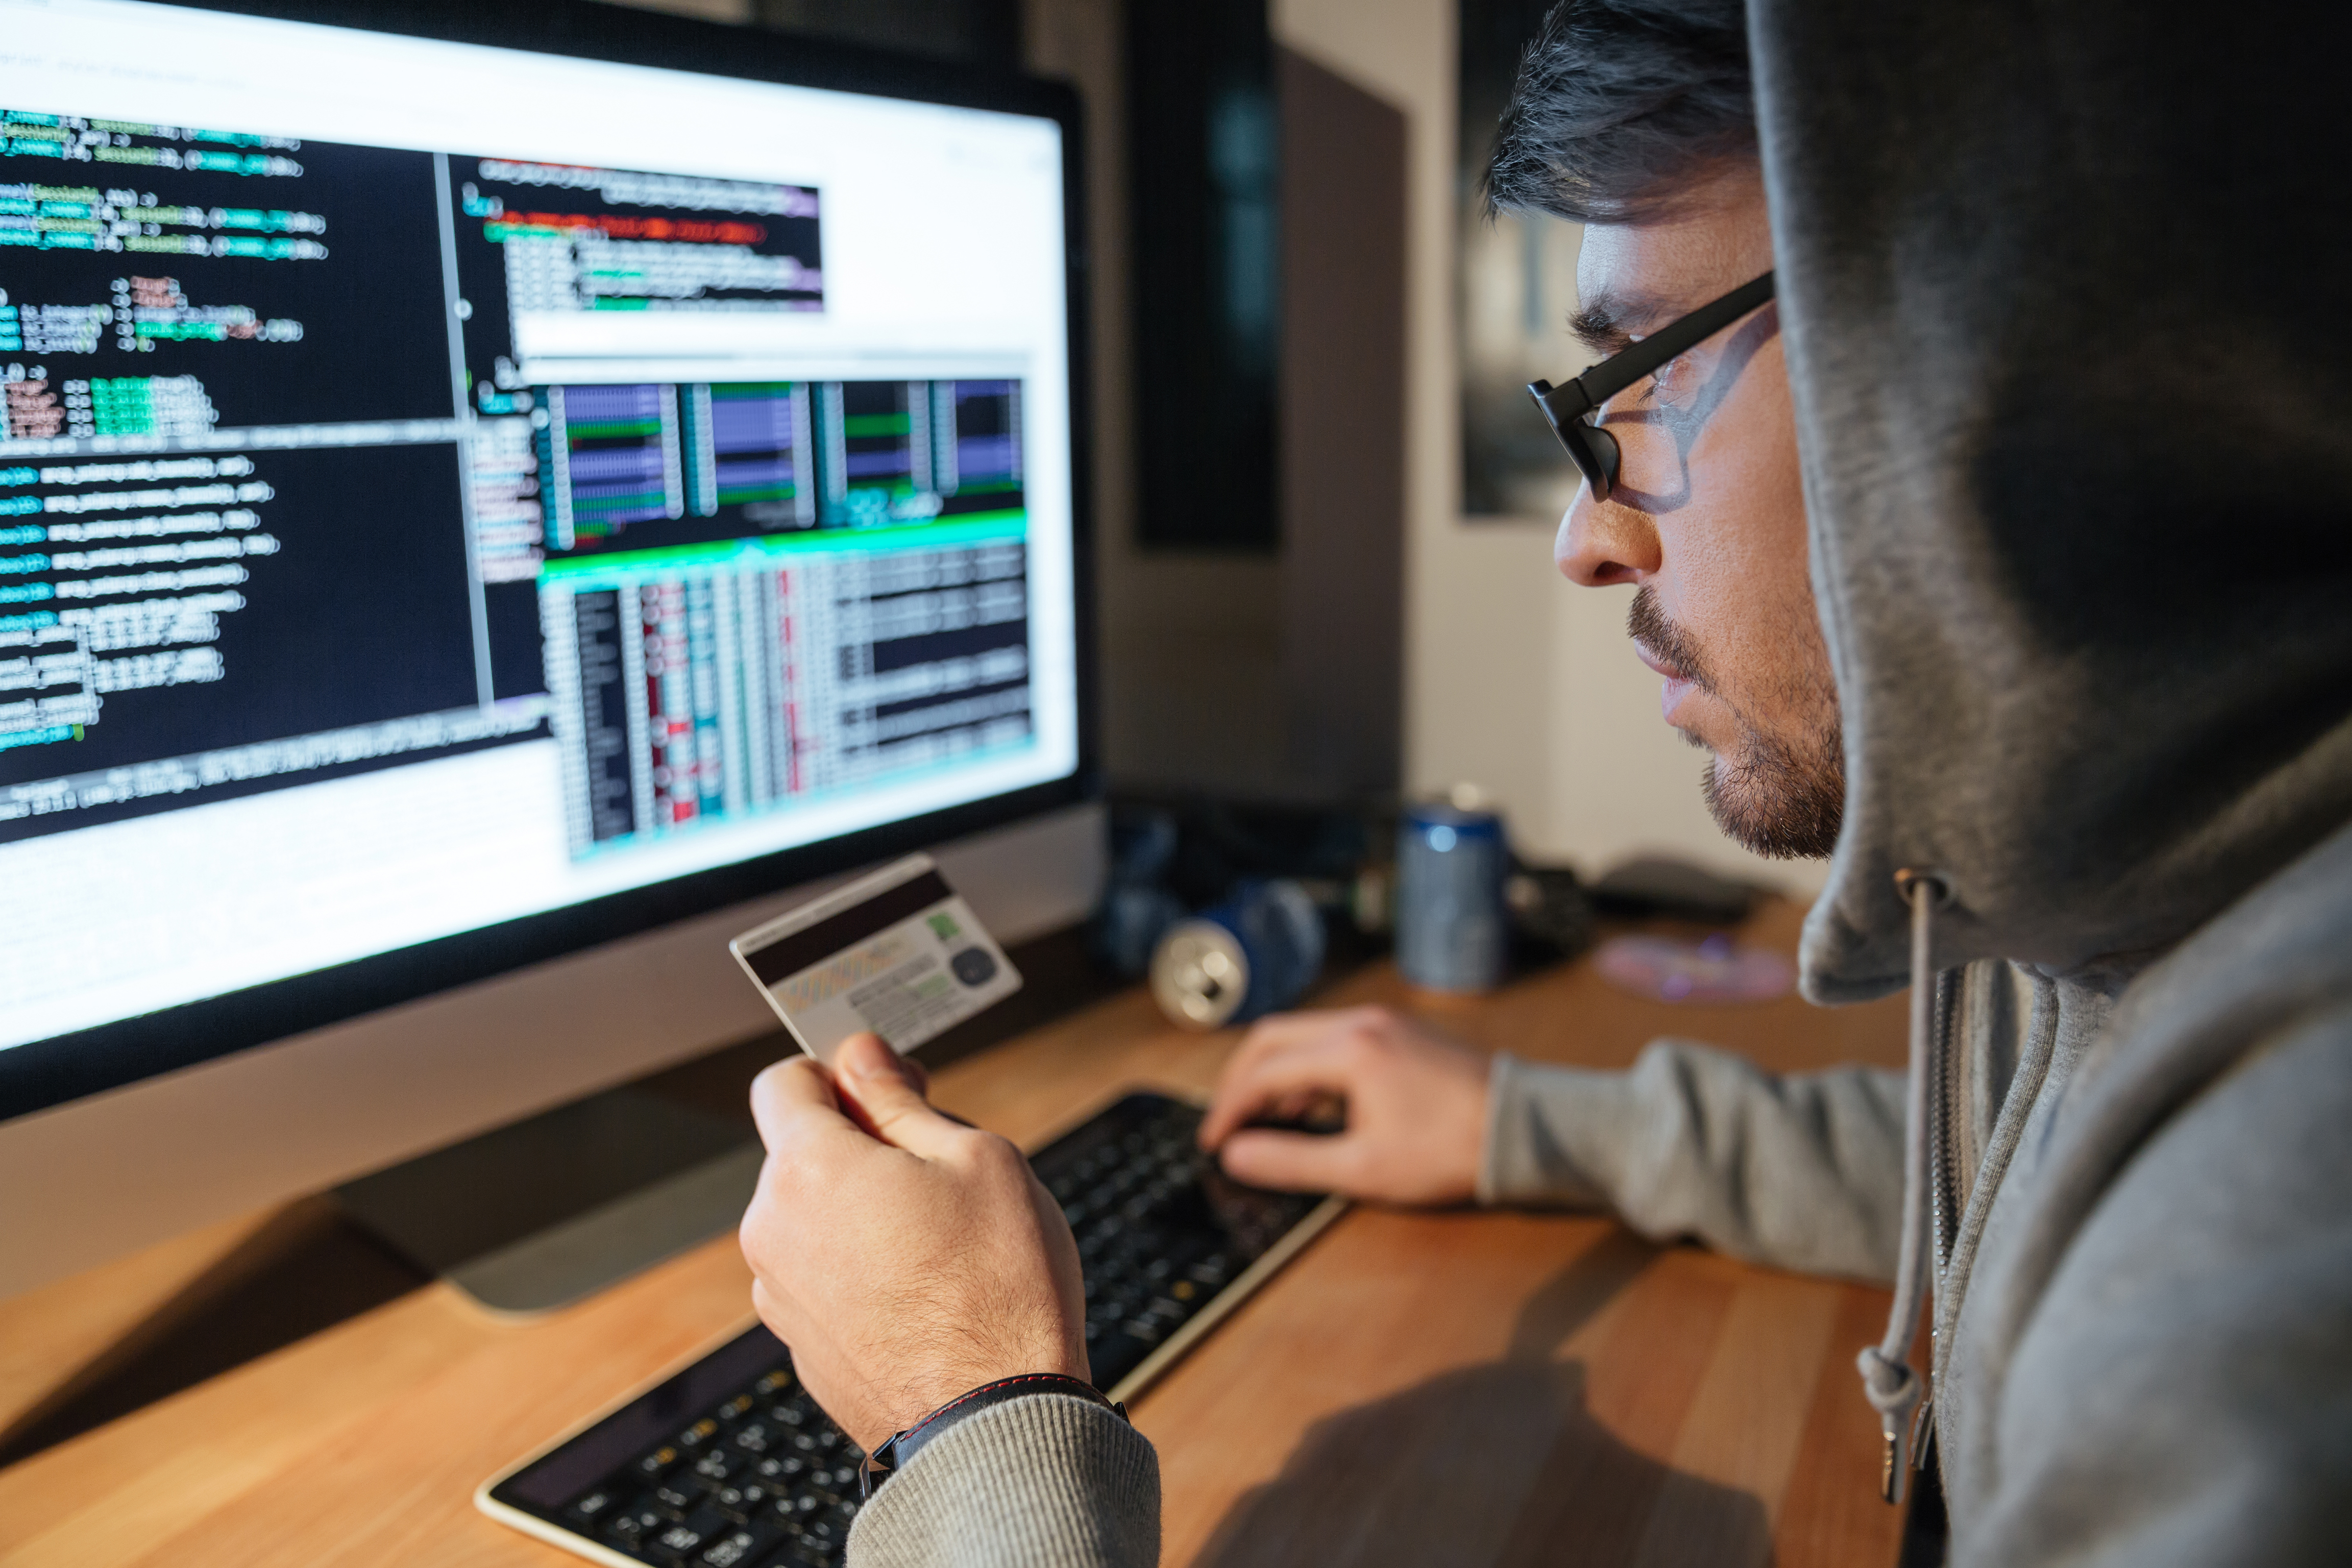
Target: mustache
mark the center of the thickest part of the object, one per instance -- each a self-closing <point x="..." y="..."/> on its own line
<point x="1651" y="627"/>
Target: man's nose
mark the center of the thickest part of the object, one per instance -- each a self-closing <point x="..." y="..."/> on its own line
<point x="1605" y="542"/>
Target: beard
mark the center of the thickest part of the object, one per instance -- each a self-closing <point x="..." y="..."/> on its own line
<point x="1778" y="792"/>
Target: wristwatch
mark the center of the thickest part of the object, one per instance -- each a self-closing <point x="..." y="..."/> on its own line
<point x="894" y="1451"/>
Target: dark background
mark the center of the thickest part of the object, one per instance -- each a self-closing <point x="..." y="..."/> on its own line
<point x="984" y="32"/>
<point x="1204" y="165"/>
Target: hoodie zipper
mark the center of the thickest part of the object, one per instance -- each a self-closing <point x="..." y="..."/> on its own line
<point x="1943" y="1182"/>
<point x="1944" y="1157"/>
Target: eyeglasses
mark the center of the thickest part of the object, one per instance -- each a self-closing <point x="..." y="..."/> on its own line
<point x="1594" y="449"/>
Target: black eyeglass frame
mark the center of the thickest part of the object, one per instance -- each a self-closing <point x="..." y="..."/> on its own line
<point x="1565" y="408"/>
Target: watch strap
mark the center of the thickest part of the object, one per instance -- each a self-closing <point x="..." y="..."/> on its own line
<point x="894" y="1452"/>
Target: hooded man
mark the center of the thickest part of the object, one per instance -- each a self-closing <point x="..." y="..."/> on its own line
<point x="1993" y="531"/>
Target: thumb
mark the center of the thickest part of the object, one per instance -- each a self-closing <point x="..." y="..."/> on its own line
<point x="1288" y="1161"/>
<point x="795" y="1098"/>
<point x="880" y="1085"/>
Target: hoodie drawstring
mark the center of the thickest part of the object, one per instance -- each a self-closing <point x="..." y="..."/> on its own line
<point x="1894" y="1388"/>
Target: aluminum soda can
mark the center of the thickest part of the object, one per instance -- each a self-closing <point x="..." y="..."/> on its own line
<point x="1453" y="929"/>
<point x="1253" y="955"/>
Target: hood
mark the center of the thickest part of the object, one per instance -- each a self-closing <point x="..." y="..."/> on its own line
<point x="2071" y="357"/>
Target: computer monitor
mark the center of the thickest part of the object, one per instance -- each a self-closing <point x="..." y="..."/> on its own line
<point x="479" y="485"/>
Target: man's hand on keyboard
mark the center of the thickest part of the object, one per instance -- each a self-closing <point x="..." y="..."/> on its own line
<point x="1416" y="1108"/>
<point x="904" y="1257"/>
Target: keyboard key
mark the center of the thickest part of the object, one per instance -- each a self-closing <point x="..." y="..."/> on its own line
<point x="745" y="1501"/>
<point x="634" y="1524"/>
<point x="687" y="1535"/>
<point x="680" y="1493"/>
<point x="741" y="1548"/>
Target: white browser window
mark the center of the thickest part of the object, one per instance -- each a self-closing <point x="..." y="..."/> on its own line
<point x="442" y="484"/>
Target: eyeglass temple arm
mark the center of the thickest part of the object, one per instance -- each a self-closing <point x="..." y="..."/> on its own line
<point x="1612" y="376"/>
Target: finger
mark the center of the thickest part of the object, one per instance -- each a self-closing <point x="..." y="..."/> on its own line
<point x="874" y="1055"/>
<point x="1289" y="1161"/>
<point x="869" y="1055"/>
<point x="1288" y="1032"/>
<point x="872" y="1076"/>
<point x="1281" y="1032"/>
<point x="792" y="1098"/>
<point x="1322" y="1064"/>
<point x="1232" y="1102"/>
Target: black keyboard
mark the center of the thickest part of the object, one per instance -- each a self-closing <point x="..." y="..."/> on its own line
<point x="730" y="1463"/>
<point x="1162" y="1233"/>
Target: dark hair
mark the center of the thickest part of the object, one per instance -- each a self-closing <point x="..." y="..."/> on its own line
<point x="1620" y="104"/>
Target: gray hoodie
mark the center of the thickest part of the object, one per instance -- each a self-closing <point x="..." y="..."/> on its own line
<point x="2062" y="291"/>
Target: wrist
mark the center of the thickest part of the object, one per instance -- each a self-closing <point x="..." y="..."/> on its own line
<point x="1481" y="1128"/>
<point x="897" y="1451"/>
<point x="933" y="1388"/>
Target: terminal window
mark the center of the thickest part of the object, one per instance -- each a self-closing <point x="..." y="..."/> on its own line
<point x="281" y="499"/>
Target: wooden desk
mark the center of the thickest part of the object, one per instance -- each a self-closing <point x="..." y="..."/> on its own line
<point x="1454" y="1388"/>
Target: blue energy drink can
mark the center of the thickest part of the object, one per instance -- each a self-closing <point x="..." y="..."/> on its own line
<point x="1453" y="931"/>
<point x="1255" y="954"/>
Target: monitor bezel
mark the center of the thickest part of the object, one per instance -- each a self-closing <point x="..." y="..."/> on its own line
<point x="43" y="1073"/>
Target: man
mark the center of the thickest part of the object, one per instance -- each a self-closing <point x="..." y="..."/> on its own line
<point x="2035" y="474"/>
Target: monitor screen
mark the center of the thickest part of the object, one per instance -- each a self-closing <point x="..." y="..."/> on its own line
<point x="444" y="484"/>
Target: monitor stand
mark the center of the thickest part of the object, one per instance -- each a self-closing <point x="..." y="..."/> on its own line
<point x="538" y="1215"/>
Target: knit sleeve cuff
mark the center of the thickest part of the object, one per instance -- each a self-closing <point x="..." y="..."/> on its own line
<point x="1049" y="1480"/>
<point x="1541" y="1121"/>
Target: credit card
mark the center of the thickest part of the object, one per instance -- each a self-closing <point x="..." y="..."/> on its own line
<point x="897" y="952"/>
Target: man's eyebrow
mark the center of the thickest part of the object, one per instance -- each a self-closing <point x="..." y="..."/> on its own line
<point x="1605" y="323"/>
